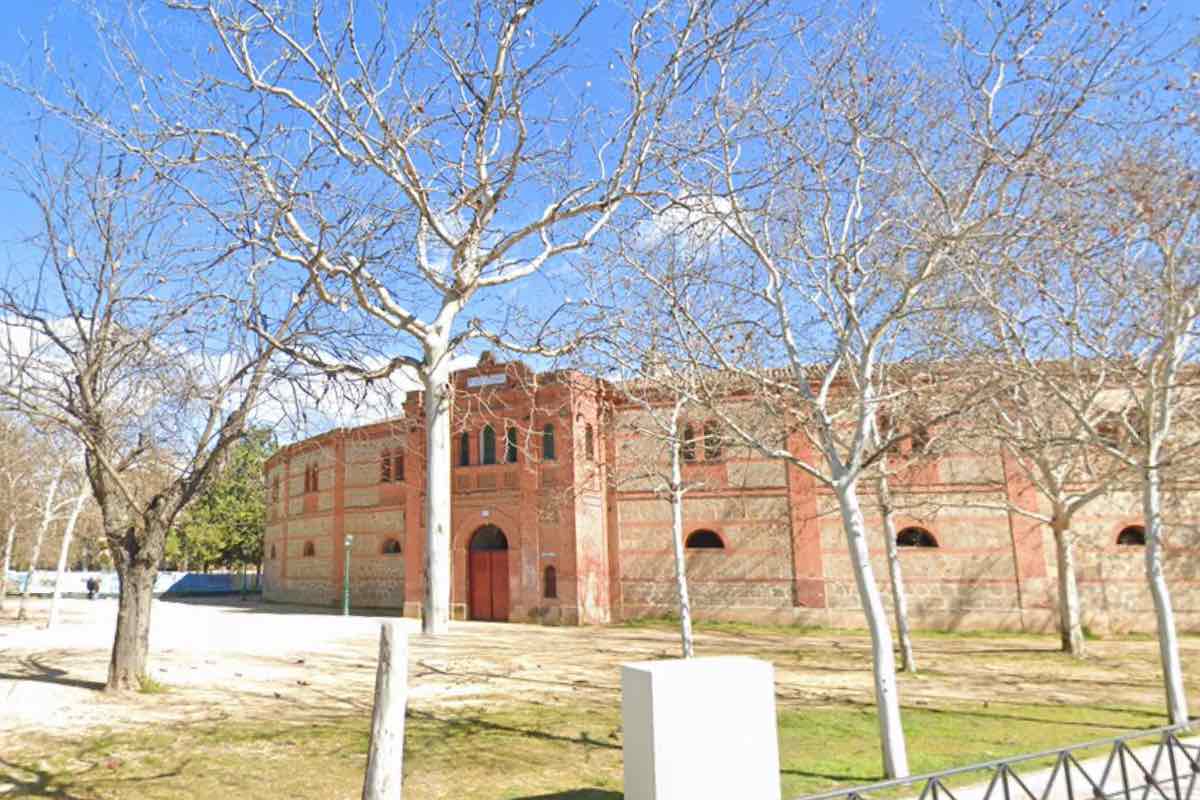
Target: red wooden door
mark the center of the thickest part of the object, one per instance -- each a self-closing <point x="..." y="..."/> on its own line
<point x="499" y="575"/>
<point x="480" y="577"/>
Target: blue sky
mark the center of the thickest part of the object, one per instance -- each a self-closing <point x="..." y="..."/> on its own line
<point x="68" y="32"/>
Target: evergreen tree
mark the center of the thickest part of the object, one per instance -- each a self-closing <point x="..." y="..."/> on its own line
<point x="225" y="526"/>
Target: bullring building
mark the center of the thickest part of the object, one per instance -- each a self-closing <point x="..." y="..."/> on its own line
<point x="555" y="519"/>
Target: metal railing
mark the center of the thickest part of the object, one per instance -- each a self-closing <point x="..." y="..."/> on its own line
<point x="1165" y="769"/>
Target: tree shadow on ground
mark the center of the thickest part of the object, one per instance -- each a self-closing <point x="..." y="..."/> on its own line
<point x="29" y="780"/>
<point x="254" y="604"/>
<point x="575" y="794"/>
<point x="475" y="723"/>
<point x="26" y="780"/>
<point x="40" y="672"/>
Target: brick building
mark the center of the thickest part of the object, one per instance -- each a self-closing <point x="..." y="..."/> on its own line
<point x="550" y="522"/>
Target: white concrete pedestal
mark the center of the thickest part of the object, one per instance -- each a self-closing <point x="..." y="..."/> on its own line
<point x="700" y="728"/>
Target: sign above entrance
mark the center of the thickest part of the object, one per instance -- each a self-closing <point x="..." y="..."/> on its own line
<point x="495" y="379"/>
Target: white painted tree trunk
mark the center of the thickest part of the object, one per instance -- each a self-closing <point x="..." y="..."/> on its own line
<point x="685" y="605"/>
<point x="385" y="758"/>
<point x="47" y="516"/>
<point x="1168" y="641"/>
<point x="887" y="696"/>
<point x="9" y="541"/>
<point x="899" y="596"/>
<point x="1070" y="622"/>
<point x="63" y="551"/>
<point x="435" y="608"/>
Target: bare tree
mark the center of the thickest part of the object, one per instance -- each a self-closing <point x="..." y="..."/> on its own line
<point x="48" y="512"/>
<point x="76" y="508"/>
<point x="852" y="182"/>
<point x="408" y="174"/>
<point x="649" y="412"/>
<point x="1151" y="291"/>
<point x="20" y="459"/>
<point x="1046" y="437"/>
<point x="128" y="329"/>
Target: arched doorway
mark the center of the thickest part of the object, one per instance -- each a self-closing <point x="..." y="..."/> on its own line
<point x="487" y="574"/>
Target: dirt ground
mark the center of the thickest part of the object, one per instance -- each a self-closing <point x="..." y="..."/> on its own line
<point x="232" y="660"/>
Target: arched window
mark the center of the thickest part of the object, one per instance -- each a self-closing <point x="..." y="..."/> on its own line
<point x="550" y="583"/>
<point x="885" y="426"/>
<point x="272" y="552"/>
<point x="920" y="441"/>
<point x="385" y="466"/>
<point x="548" y="443"/>
<point x="704" y="540"/>
<point x="310" y="549"/>
<point x="464" y="449"/>
<point x="712" y="441"/>
<point x="915" y="537"/>
<point x="1108" y="431"/>
<point x="687" y="444"/>
<point x="510" y="446"/>
<point x="1132" y="536"/>
<point x="391" y="547"/>
<point x="589" y="443"/>
<point x="487" y="446"/>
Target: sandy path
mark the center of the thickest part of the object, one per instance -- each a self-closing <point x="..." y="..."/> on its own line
<point x="250" y="661"/>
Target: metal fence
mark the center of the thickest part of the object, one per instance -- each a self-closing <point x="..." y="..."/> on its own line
<point x="1149" y="765"/>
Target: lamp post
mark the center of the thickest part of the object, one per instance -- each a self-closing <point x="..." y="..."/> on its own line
<point x="346" y="578"/>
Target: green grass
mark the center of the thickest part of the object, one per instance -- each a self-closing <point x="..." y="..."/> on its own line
<point x="151" y="686"/>
<point x="518" y="751"/>
<point x="668" y="621"/>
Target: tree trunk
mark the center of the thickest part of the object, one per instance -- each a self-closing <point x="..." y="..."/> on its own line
<point x="1168" y="641"/>
<point x="8" y="551"/>
<point x="435" y="608"/>
<point x="63" y="551"/>
<point x="1070" y="624"/>
<point x="896" y="576"/>
<point x="685" y="605"/>
<point x="47" y="516"/>
<point x="887" y="697"/>
<point x="131" y="645"/>
<point x="385" y="756"/>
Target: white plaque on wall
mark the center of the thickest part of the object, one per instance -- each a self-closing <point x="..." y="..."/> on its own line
<point x="494" y="379"/>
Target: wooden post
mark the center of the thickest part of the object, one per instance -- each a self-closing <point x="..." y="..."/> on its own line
<point x="385" y="759"/>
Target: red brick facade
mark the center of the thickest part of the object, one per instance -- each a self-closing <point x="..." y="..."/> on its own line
<point x="587" y="545"/>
